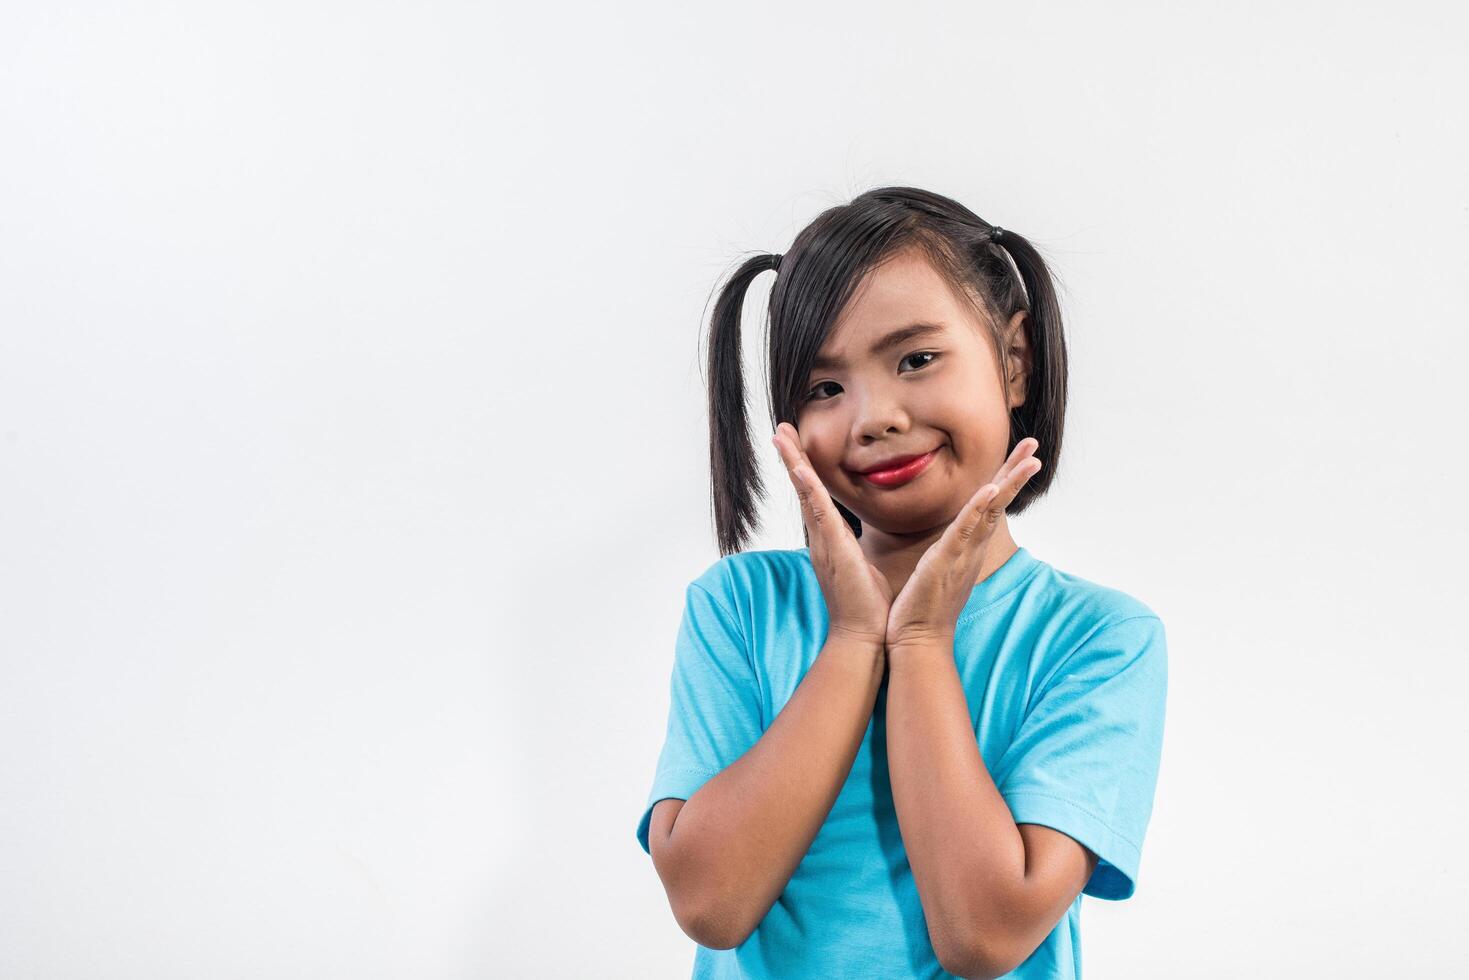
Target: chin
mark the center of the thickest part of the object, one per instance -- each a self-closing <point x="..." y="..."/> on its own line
<point x="911" y="520"/>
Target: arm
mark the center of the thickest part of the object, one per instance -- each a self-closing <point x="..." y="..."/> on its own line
<point x="991" y="890"/>
<point x="726" y="854"/>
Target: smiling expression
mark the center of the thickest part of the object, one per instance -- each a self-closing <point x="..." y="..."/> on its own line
<point x="910" y="368"/>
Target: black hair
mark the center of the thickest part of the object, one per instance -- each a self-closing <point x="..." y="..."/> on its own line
<point x="814" y="281"/>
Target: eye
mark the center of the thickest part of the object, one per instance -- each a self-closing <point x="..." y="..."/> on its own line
<point x="811" y="396"/>
<point x="923" y="353"/>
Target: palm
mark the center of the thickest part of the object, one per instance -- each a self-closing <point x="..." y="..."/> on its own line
<point x="903" y="612"/>
<point x="883" y="585"/>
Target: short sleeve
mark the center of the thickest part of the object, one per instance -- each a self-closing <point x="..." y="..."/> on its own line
<point x="1085" y="758"/>
<point x="714" y="714"/>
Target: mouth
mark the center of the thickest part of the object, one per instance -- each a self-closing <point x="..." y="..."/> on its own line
<point x="898" y="470"/>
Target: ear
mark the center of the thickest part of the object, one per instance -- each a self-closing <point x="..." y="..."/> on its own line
<point x="1019" y="358"/>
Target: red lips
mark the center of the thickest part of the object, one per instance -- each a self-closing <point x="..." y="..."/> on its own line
<point x="892" y="463"/>
<point x="907" y="467"/>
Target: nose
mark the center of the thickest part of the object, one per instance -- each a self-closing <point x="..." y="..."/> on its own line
<point x="880" y="414"/>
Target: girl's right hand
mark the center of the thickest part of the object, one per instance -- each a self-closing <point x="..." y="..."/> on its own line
<point x="857" y="595"/>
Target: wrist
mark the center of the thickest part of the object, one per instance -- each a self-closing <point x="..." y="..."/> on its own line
<point x="855" y="639"/>
<point x="929" y="644"/>
<point x="855" y="649"/>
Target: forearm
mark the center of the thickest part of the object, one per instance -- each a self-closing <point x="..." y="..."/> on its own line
<point x="740" y="837"/>
<point x="967" y="855"/>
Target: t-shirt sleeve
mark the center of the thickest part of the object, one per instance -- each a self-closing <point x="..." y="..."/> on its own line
<point x="1085" y="759"/>
<point x="714" y="714"/>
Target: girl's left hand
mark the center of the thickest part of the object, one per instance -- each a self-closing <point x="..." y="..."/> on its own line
<point x="934" y="595"/>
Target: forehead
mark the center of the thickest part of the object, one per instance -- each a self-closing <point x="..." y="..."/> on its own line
<point x="903" y="290"/>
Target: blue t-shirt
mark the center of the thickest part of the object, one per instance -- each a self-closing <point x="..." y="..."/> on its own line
<point x="1065" y="680"/>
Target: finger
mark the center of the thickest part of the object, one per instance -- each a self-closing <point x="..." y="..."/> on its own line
<point x="817" y="498"/>
<point x="795" y="461"/>
<point x="794" y="471"/>
<point x="1024" y="449"/>
<point x="981" y="514"/>
<point x="816" y="507"/>
<point x="974" y="520"/>
<point x="792" y="439"/>
<point x="1008" y="489"/>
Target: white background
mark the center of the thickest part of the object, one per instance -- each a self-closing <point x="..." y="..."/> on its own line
<point x="353" y="452"/>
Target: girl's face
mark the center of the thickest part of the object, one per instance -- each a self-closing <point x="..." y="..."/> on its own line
<point x="939" y="389"/>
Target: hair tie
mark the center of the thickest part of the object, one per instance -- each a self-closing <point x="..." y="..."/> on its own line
<point x="775" y="258"/>
<point x="995" y="232"/>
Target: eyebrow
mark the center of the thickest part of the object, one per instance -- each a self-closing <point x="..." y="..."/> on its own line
<point x="897" y="338"/>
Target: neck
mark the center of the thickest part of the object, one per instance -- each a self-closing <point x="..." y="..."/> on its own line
<point x="896" y="555"/>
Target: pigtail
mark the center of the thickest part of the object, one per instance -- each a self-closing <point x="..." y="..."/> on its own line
<point x="735" y="484"/>
<point x="1044" y="413"/>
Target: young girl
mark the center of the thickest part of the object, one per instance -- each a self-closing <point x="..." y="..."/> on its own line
<point x="908" y="748"/>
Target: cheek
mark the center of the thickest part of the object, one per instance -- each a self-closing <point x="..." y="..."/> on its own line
<point x="822" y="446"/>
<point x="979" y="443"/>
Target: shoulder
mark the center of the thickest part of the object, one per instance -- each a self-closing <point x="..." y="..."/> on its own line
<point x="761" y="600"/>
<point x="749" y="580"/>
<point x="1086" y="601"/>
<point x="1086" y="620"/>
